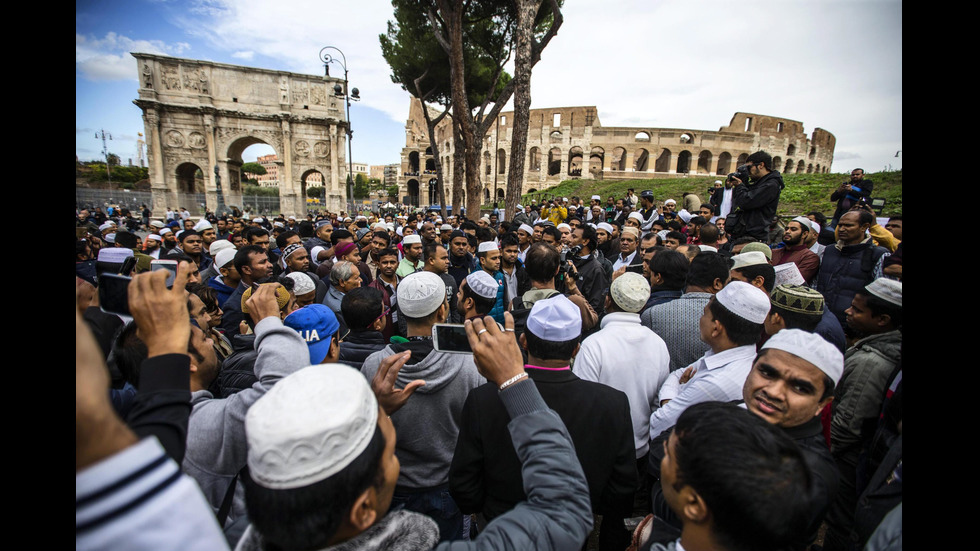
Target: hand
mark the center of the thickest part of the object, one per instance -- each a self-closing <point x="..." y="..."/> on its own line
<point x="571" y="286"/>
<point x="495" y="352"/>
<point x="263" y="304"/>
<point x="619" y="272"/>
<point x="688" y="373"/>
<point x="243" y="327"/>
<point x="390" y="398"/>
<point x="161" y="313"/>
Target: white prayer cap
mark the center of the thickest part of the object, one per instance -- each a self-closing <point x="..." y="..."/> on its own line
<point x="605" y="226"/>
<point x="445" y="227"/>
<point x="347" y="219"/>
<point x="485" y="217"/>
<point x="202" y="225"/>
<point x="564" y="225"/>
<point x="482" y="283"/>
<point x="412" y="239"/>
<point x="555" y="319"/>
<point x="224" y="256"/>
<point x="115" y="255"/>
<point x="156" y="224"/>
<point x="165" y="231"/>
<point x="636" y="215"/>
<point x="630" y="292"/>
<point x="390" y="226"/>
<point x="360" y="217"/>
<point x="708" y="248"/>
<point x="887" y="290"/>
<point x="526" y="228"/>
<point x="420" y="294"/>
<point x="670" y="202"/>
<point x="597" y="198"/>
<point x="278" y="225"/>
<point x="257" y="220"/>
<point x="593" y="226"/>
<point x="718" y="181"/>
<point x="292" y="218"/>
<point x="379" y="226"/>
<point x="684" y="215"/>
<point x="106" y="226"/>
<point x="310" y="426"/>
<point x="745" y="301"/>
<point x="519" y="206"/>
<point x="178" y="234"/>
<point x="486" y="246"/>
<point x="748" y="259"/>
<point x="810" y="347"/>
<point x="663" y="234"/>
<point x="399" y="230"/>
<point x="110" y="238"/>
<point x="219" y="245"/>
<point x="154" y="237"/>
<point x="803" y="221"/>
<point x="565" y="199"/>
<point x="788" y="274"/>
<point x="815" y="225"/>
<point x="302" y="283"/>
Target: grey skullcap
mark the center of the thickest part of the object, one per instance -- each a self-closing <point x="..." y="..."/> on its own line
<point x="482" y="283"/>
<point x="445" y="227"/>
<point x="156" y="224"/>
<point x="322" y="223"/>
<point x="310" y="426"/>
<point x="412" y="239"/>
<point x="302" y="283"/>
<point x="752" y="258"/>
<point x="803" y="221"/>
<point x="811" y="348"/>
<point x="224" y="256"/>
<point x="745" y="301"/>
<point x="219" y="245"/>
<point x="202" y="225"/>
<point x="630" y="292"/>
<point x="555" y="319"/>
<point x="887" y="290"/>
<point x="420" y="294"/>
<point x="757" y="246"/>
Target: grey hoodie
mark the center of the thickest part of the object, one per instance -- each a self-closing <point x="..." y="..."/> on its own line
<point x="428" y="424"/>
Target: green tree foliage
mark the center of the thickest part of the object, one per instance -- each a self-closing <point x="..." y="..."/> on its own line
<point x="393" y="193"/>
<point x="248" y="190"/>
<point x="315" y="191"/>
<point x="253" y="169"/>
<point x="113" y="160"/>
<point x="361" y="189"/>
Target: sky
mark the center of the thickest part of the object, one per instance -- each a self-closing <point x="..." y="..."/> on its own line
<point x="689" y="64"/>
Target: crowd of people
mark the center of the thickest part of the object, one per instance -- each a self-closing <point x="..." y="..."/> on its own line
<point x="669" y="375"/>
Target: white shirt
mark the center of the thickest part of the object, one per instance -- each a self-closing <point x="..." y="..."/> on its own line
<point x="719" y="378"/>
<point x="627" y="356"/>
<point x="818" y="250"/>
<point x="726" y="202"/>
<point x="620" y="262"/>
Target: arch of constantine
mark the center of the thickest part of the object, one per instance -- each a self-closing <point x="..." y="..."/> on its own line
<point x="569" y="142"/>
<point x="201" y="115"/>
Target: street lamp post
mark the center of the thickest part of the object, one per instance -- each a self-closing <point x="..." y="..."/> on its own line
<point x="342" y="92"/>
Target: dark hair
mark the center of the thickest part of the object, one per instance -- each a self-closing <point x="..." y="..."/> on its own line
<point x="541" y="262"/>
<point x="739" y="330"/>
<point x="549" y="350"/>
<point x="881" y="307"/>
<point x="676" y="235"/>
<point x="305" y="229"/>
<point x="242" y="257"/>
<point x="429" y="249"/>
<point x="553" y="231"/>
<point x="472" y="241"/>
<point x="127" y="354"/>
<point x="698" y="220"/>
<point x="387" y="252"/>
<point x="127" y="239"/>
<point x="282" y="238"/>
<point x="505" y="225"/>
<point x="468" y="225"/>
<point x="890" y="218"/>
<point x="709" y="234"/>
<point x="509" y="239"/>
<point x="674" y="225"/>
<point x="708" y="206"/>
<point x="383" y="235"/>
<point x="672" y="267"/>
<point x="589" y="236"/>
<point x="174" y="254"/>
<point x="253" y="231"/>
<point x="691" y="251"/>
<point x="761" y="157"/>
<point x="767" y="272"/>
<point x="753" y="478"/>
<point x="206" y="294"/>
<point x="482" y="305"/>
<point x="864" y="217"/>
<point x="361" y="306"/>
<point x="339" y="234"/>
<point x="745" y="240"/>
<point x="706" y="268"/>
<point x="797" y="320"/>
<point x="308" y="517"/>
<point x="484" y="234"/>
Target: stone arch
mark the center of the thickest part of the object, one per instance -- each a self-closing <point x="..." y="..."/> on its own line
<point x="704" y="162"/>
<point x="486" y="195"/>
<point x="555" y="137"/>
<point x="791" y="150"/>
<point x="575" y="161"/>
<point x="801" y="166"/>
<point x="642" y="136"/>
<point x="190" y="178"/>
<point x="500" y="194"/>
<point x="234" y="163"/>
<point x="817" y="169"/>
<point x="413" y="162"/>
<point x="789" y="166"/>
<point x="684" y="162"/>
<point x="501" y="161"/>
<point x="777" y="161"/>
<point x="309" y="177"/>
<point x="742" y="159"/>
<point x="487" y="164"/>
<point x="428" y="151"/>
<point x="597" y="158"/>
<point x="809" y="168"/>
<point x="534" y="160"/>
<point x="532" y="190"/>
<point x="641" y="160"/>
<point x="430" y="165"/>
<point x="618" y="161"/>
<point x="554" y="161"/>
<point x="724" y="163"/>
<point x="413" y="192"/>
<point x="663" y="161"/>
<point x="813" y="152"/>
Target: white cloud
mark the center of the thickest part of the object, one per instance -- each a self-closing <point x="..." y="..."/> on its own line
<point x="108" y="58"/>
<point x="246" y="55"/>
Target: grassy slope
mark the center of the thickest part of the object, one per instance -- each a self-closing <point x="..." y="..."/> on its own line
<point x="803" y="192"/>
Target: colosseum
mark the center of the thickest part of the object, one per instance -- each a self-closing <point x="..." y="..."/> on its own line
<point x="569" y="142"/>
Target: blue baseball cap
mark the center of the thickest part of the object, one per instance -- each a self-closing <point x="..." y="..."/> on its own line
<point x="317" y="325"/>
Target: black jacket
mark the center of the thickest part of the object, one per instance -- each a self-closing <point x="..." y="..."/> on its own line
<point x="592" y="281"/>
<point x="238" y="371"/>
<point x="358" y="346"/>
<point x="754" y="206"/>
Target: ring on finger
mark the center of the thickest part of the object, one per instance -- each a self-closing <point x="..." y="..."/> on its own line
<point x="482" y="331"/>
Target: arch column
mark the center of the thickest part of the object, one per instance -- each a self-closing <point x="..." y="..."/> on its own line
<point x="673" y="162"/>
<point x="334" y="175"/>
<point x="164" y="194"/>
<point x="287" y="183"/>
<point x="210" y="185"/>
<point x="629" y="159"/>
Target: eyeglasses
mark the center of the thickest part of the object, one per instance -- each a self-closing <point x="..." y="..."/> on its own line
<point x="384" y="313"/>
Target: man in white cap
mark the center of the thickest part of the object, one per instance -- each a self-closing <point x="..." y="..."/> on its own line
<point x="524" y="237"/>
<point x="811" y="237"/>
<point x="796" y="250"/>
<point x="629" y="357"/>
<point x="753" y="267"/>
<point x="488" y="255"/>
<point x="477" y="295"/>
<point x="412" y="247"/>
<point x="430" y="421"/>
<point x="154" y="243"/>
<point x="730" y="325"/>
<point x="208" y="235"/>
<point x="597" y="416"/>
<point x="227" y="280"/>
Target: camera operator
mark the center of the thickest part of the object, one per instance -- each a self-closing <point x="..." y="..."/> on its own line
<point x="849" y="194"/>
<point x="755" y="196"/>
<point x="588" y="274"/>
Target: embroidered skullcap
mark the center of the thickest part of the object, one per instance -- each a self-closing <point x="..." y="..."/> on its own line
<point x="526" y="228"/>
<point x="302" y="283"/>
<point x="482" y="283"/>
<point x="282" y="296"/>
<point x="685" y="216"/>
<point x="310" y="426"/>
<point x="757" y="246"/>
<point x="420" y="294"/>
<point x="445" y="227"/>
<point x="803" y="221"/>
<point x="630" y="292"/>
<point x="290" y="249"/>
<point x="647" y="193"/>
<point x="555" y="319"/>
<point x="202" y="225"/>
<point x="224" y="256"/>
<point x="154" y="237"/>
<point x="887" y="290"/>
<point x="316" y="324"/>
<point x="114" y="255"/>
<point x="809" y="347"/>
<point x="753" y="258"/>
<point x="745" y="301"/>
<point x="637" y="216"/>
<point x="663" y="234"/>
<point x="564" y="225"/>
<point x="788" y="274"/>
<point x="165" y="231"/>
<point x="156" y="224"/>
<point x="605" y="226"/>
<point x="412" y="239"/>
<point x="219" y="245"/>
<point x="343" y="249"/>
<point x="798" y="298"/>
<point x="361" y="233"/>
<point x="632" y="230"/>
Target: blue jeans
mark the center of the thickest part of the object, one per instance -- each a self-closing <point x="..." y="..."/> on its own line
<point x="435" y="503"/>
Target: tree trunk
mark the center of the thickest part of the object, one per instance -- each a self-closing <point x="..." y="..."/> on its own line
<point x="527" y="10"/>
<point x="459" y="169"/>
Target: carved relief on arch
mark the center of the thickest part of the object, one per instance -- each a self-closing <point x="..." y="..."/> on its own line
<point x="196" y="140"/>
<point x="302" y="148"/>
<point x="300" y="93"/>
<point x="171" y="78"/>
<point x="321" y="149"/>
<point x="175" y="139"/>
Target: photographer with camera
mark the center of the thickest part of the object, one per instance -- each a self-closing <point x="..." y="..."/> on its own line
<point x="850" y="194"/>
<point x="755" y="196"/>
<point x="589" y="275"/>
